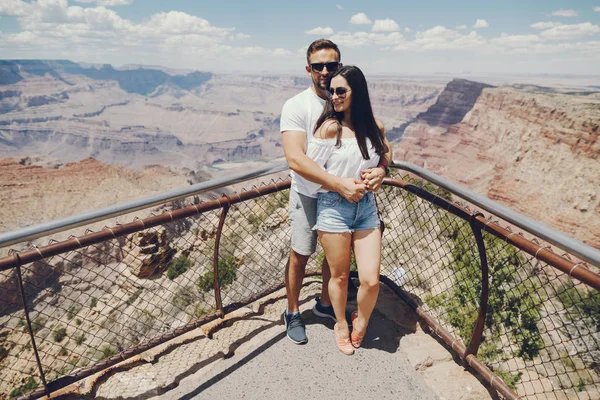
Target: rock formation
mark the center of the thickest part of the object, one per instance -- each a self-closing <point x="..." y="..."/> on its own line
<point x="534" y="151"/>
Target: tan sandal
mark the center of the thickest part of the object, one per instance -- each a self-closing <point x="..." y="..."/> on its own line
<point x="354" y="338"/>
<point x="343" y="344"/>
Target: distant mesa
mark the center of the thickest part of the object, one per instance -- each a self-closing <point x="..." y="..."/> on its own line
<point x="140" y="81"/>
<point x="455" y="101"/>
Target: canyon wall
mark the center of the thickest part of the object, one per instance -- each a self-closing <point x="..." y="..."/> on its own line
<point x="143" y="117"/>
<point x="534" y="151"/>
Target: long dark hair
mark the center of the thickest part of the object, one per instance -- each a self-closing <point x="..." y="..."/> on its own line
<point x="361" y="113"/>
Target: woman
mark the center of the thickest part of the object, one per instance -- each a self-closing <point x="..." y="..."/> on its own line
<point x="348" y="140"/>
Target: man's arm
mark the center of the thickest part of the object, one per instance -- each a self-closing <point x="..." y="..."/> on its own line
<point x="294" y="148"/>
<point x="373" y="177"/>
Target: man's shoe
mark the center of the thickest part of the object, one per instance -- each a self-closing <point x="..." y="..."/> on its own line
<point x="327" y="312"/>
<point x="294" y="328"/>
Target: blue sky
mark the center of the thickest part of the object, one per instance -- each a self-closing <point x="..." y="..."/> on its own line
<point x="382" y="37"/>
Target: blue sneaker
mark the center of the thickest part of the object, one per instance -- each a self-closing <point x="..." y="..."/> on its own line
<point x="327" y="312"/>
<point x="294" y="328"/>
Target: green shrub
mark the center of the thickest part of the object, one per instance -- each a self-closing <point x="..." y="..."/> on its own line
<point x="72" y="312"/>
<point x="107" y="351"/>
<point x="580" y="303"/>
<point x="131" y="299"/>
<point x="93" y="302"/>
<point x="63" y="352"/>
<point x="77" y="321"/>
<point x="26" y="388"/>
<point x="36" y="324"/>
<point x="508" y="378"/>
<point x="182" y="298"/>
<point x="80" y="339"/>
<point x="178" y="266"/>
<point x="227" y="274"/>
<point x="267" y="206"/>
<point x="59" y="334"/>
<point x="513" y="302"/>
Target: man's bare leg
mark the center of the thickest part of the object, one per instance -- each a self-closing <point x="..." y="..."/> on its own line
<point x="326" y="274"/>
<point x="294" y="275"/>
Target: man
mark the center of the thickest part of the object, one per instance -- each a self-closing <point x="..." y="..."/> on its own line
<point x="298" y="118"/>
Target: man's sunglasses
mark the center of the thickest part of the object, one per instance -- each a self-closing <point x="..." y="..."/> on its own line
<point x="331" y="66"/>
<point x="340" y="91"/>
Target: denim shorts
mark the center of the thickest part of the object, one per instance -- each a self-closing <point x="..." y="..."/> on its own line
<point x="336" y="214"/>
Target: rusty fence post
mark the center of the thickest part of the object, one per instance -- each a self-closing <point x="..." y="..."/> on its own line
<point x="483" y="301"/>
<point x="217" y="286"/>
<point x="31" y="333"/>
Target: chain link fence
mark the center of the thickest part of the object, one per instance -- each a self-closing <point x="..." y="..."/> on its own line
<point x="541" y="332"/>
<point x="140" y="284"/>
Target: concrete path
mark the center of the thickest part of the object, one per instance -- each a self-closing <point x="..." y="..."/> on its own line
<point x="248" y="356"/>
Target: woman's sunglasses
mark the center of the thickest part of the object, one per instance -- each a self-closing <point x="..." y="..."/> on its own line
<point x="340" y="91"/>
<point x="331" y="66"/>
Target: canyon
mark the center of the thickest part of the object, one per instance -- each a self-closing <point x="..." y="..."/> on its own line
<point x="533" y="148"/>
<point x="535" y="151"/>
<point x="75" y="140"/>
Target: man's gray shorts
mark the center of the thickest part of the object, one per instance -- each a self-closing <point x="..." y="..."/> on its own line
<point x="303" y="216"/>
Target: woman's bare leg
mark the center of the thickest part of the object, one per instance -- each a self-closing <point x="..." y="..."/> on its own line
<point x="367" y="250"/>
<point x="337" y="252"/>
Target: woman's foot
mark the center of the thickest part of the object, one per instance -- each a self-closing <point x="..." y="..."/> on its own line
<point x="342" y="340"/>
<point x="357" y="335"/>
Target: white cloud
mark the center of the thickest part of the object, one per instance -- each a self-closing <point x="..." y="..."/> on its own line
<point x="461" y="27"/>
<point x="566" y="32"/>
<point x="107" y="3"/>
<point x="13" y="8"/>
<point x="320" y="31"/>
<point x="481" y="23"/>
<point x="407" y="30"/>
<point x="360" y="19"/>
<point x="597" y="9"/>
<point x="177" y="22"/>
<point x="359" y="39"/>
<point x="438" y="33"/>
<point x="53" y="29"/>
<point x="385" y="25"/>
<point x="281" y="52"/>
<point x="339" y="7"/>
<point x="564" y="13"/>
<point x="545" y="25"/>
<point x="23" y="37"/>
<point x="513" y="41"/>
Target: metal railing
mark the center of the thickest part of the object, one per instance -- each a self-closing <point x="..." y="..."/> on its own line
<point x="523" y="317"/>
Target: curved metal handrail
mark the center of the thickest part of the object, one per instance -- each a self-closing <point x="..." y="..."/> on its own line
<point x="575" y="247"/>
<point x="61" y="225"/>
<point x="560" y="240"/>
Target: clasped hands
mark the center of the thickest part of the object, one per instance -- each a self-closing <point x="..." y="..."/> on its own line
<point x="353" y="189"/>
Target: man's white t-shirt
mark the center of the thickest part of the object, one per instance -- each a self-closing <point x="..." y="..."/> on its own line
<point x="300" y="113"/>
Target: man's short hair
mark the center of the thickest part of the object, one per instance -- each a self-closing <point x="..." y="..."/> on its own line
<point x="321" y="44"/>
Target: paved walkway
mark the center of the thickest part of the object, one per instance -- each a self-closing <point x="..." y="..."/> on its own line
<point x="249" y="357"/>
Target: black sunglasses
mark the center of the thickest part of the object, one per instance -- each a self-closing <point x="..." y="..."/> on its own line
<point x="340" y="91"/>
<point x="331" y="66"/>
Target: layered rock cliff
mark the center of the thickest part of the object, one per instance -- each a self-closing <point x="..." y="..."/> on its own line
<point x="143" y="117"/>
<point x="536" y="152"/>
<point x="38" y="190"/>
